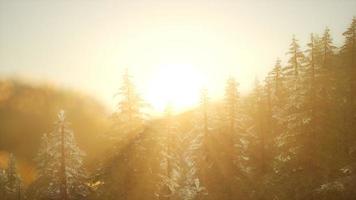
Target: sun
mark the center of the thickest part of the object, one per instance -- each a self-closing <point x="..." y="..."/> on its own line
<point x="177" y="85"/>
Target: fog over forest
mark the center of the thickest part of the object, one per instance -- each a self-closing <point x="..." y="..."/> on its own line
<point x="290" y="136"/>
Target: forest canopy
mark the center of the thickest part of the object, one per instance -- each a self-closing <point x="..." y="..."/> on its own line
<point x="292" y="137"/>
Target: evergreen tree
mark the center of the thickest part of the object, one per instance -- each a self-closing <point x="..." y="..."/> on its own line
<point x="13" y="184"/>
<point x="262" y="132"/>
<point x="274" y="84"/>
<point x="182" y="179"/>
<point x="3" y="180"/>
<point x="348" y="53"/>
<point x="292" y="143"/>
<point x="231" y="137"/>
<point x="167" y="184"/>
<point x="60" y="165"/>
<point x="327" y="49"/>
<point x="295" y="60"/>
<point x="123" y="168"/>
<point x="258" y="130"/>
<point x="314" y="113"/>
<point x="231" y="103"/>
<point x="129" y="116"/>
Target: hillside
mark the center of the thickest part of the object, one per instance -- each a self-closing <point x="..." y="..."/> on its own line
<point x="27" y="111"/>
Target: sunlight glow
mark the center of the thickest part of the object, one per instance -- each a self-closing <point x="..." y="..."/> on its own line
<point x="177" y="85"/>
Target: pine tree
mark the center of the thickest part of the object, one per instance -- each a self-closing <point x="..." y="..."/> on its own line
<point x="314" y="113"/>
<point x="295" y="60"/>
<point x="61" y="174"/>
<point x="182" y="179"/>
<point x="231" y="139"/>
<point x="258" y="130"/>
<point x="295" y="97"/>
<point x="167" y="184"/>
<point x="13" y="184"/>
<point x="348" y="53"/>
<point x="328" y="76"/>
<point x="3" y="180"/>
<point x="260" y="147"/>
<point x="275" y="94"/>
<point x="292" y="73"/>
<point x="129" y="116"/>
<point x="327" y="49"/>
<point x="291" y="157"/>
<point x="312" y="85"/>
<point x="231" y="103"/>
<point x="274" y="82"/>
<point x="123" y="168"/>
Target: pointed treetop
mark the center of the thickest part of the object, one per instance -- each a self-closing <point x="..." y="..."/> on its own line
<point x="11" y="159"/>
<point x="61" y="115"/>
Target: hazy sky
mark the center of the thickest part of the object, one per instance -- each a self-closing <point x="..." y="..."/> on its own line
<point x="87" y="44"/>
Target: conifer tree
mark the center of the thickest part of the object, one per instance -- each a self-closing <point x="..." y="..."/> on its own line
<point x="275" y="95"/>
<point x="292" y="73"/>
<point x="167" y="184"/>
<point x="291" y="156"/>
<point x="123" y="168"/>
<point x="232" y="140"/>
<point x="348" y="53"/>
<point x="327" y="48"/>
<point x="61" y="174"/>
<point x="3" y="180"/>
<point x="328" y="73"/>
<point x="313" y="114"/>
<point x="295" y="60"/>
<point x="258" y="131"/>
<point x="274" y="82"/>
<point x="260" y="137"/>
<point x="182" y="179"/>
<point x="231" y="103"/>
<point x="129" y="116"/>
<point x="13" y="184"/>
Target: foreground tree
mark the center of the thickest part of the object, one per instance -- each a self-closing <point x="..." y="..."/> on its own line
<point x="12" y="182"/>
<point x="3" y="180"/>
<point x="61" y="174"/>
<point x="181" y="177"/>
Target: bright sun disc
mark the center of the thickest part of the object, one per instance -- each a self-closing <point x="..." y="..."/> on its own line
<point x="175" y="85"/>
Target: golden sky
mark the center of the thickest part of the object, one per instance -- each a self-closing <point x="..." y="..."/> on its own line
<point x="172" y="48"/>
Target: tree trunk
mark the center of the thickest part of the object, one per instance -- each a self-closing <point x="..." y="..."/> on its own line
<point x="63" y="187"/>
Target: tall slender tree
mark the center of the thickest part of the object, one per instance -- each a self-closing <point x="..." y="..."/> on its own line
<point x="13" y="184"/>
<point x="129" y="116"/>
<point x="233" y="151"/>
<point x="231" y="103"/>
<point x="61" y="174"/>
<point x="3" y="180"/>
<point x="348" y="52"/>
